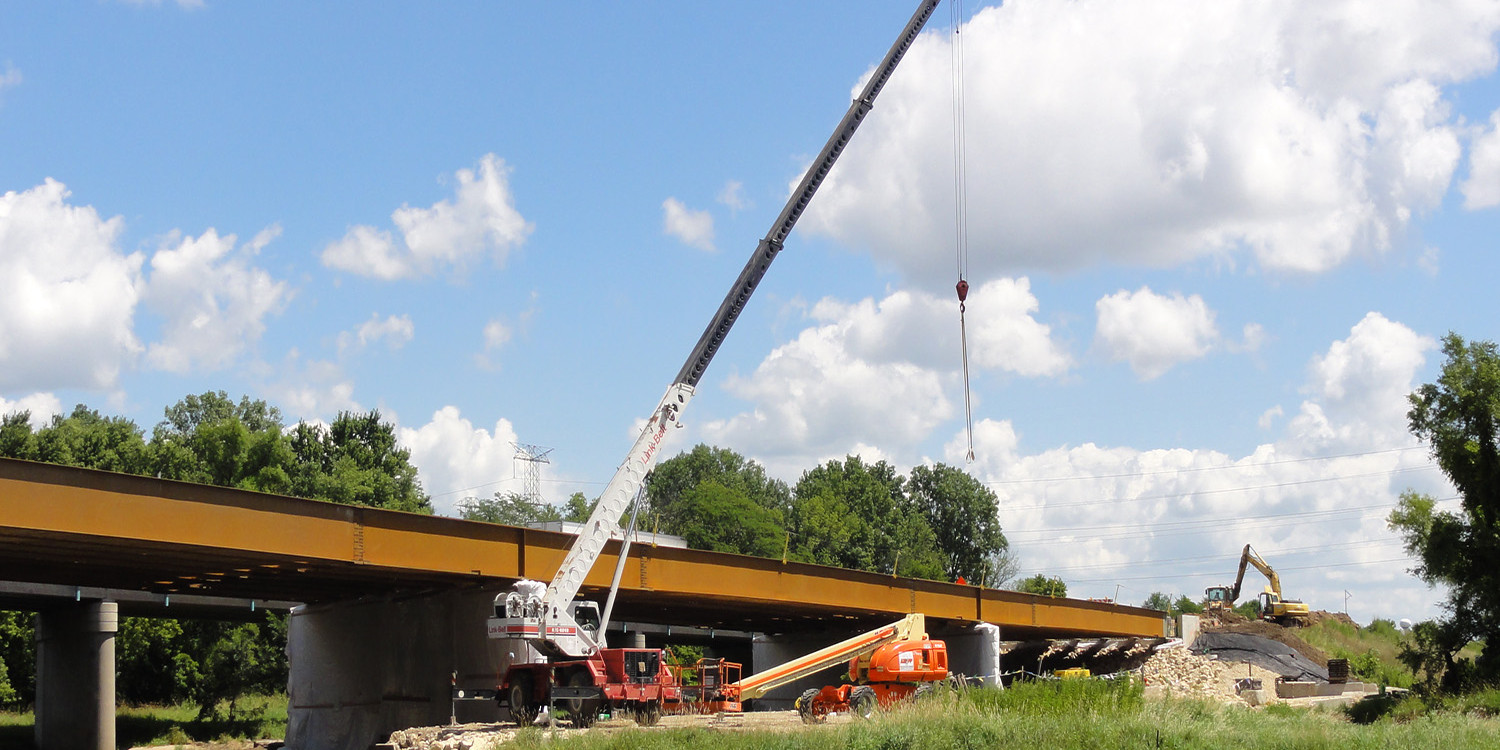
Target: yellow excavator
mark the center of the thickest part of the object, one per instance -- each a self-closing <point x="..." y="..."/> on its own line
<point x="1273" y="606"/>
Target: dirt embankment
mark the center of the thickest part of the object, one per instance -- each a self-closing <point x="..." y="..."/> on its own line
<point x="1281" y="634"/>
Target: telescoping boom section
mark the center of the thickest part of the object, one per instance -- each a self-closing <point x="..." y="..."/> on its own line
<point x="909" y="628"/>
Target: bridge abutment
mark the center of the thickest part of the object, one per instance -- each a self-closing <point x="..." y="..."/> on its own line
<point x="75" y="676"/>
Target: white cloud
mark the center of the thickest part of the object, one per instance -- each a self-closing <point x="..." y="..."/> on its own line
<point x="311" y="390"/>
<point x="457" y="460"/>
<point x="878" y="373"/>
<point x="1154" y="333"/>
<point x="1359" y="387"/>
<point x="480" y="219"/>
<point x="396" y="331"/>
<point x="9" y="77"/>
<point x="67" y="295"/>
<point x="214" y="302"/>
<point x="1313" y="501"/>
<point x="693" y="228"/>
<point x="1161" y="132"/>
<point x="1481" y="188"/>
<point x="496" y="334"/>
<point x="733" y="196"/>
<point x="42" y="407"/>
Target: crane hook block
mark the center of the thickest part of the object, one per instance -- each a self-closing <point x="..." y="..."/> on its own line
<point x="963" y="290"/>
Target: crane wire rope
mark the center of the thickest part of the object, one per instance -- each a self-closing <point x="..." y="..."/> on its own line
<point x="960" y="208"/>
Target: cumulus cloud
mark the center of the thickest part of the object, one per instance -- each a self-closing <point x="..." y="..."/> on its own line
<point x="1481" y="188"/>
<point x="396" y="331"/>
<point x="311" y="390"/>
<point x="214" y="301"/>
<point x="67" y="294"/>
<point x="481" y="219"/>
<point x="1173" y="519"/>
<point x="693" y="228"/>
<point x="878" y="373"/>
<point x="1162" y="132"/>
<point x="41" y="406"/>
<point x="1152" y="332"/>
<point x="457" y="460"/>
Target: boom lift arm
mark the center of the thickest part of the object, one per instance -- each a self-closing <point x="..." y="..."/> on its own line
<point x="558" y="633"/>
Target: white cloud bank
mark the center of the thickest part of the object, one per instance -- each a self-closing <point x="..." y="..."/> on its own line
<point x="458" y="460"/>
<point x="1482" y="187"/>
<point x="480" y="220"/>
<point x="880" y="373"/>
<point x="1161" y="132"/>
<point x="1154" y="333"/>
<point x="1313" y="501"/>
<point x="69" y="296"/>
<point x="396" y="331"/>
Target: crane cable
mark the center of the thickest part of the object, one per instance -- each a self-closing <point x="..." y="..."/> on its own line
<point x="960" y="208"/>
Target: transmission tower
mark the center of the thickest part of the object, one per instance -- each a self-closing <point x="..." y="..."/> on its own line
<point x="532" y="456"/>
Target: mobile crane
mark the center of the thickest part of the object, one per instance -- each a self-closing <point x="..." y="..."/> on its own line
<point x="1272" y="606"/>
<point x="556" y="648"/>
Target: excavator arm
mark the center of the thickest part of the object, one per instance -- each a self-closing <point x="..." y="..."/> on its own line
<point x="1249" y="557"/>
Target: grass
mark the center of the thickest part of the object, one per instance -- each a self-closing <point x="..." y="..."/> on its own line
<point x="1074" y="715"/>
<point x="1371" y="651"/>
<point x="258" y="717"/>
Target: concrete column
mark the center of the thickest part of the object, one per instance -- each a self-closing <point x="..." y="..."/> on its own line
<point x="75" y="676"/>
<point x="974" y="652"/>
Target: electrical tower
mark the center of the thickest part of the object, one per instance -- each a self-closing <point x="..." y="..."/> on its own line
<point x="533" y="457"/>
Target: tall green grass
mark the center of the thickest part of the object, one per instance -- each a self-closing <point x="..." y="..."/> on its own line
<point x="258" y="717"/>
<point x="1072" y="715"/>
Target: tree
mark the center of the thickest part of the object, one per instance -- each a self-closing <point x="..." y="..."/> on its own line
<point x="1158" y="601"/>
<point x="1459" y="418"/>
<point x="854" y="515"/>
<point x="1186" y="605"/>
<point x="356" y="461"/>
<point x="673" y="478"/>
<point x="89" y="440"/>
<point x="579" y="507"/>
<point x="720" y="519"/>
<point x="964" y="516"/>
<point x="1041" y="585"/>
<point x="508" y="508"/>
<point x="185" y="416"/>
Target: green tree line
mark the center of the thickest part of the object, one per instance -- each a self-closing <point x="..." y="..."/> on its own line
<point x="937" y="523"/>
<point x="208" y="439"/>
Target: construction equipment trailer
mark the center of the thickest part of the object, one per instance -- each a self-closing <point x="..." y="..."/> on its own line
<point x="555" y="645"/>
<point x="1273" y="606"/>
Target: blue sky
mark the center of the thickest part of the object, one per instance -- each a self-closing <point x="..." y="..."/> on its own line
<point x="1212" y="245"/>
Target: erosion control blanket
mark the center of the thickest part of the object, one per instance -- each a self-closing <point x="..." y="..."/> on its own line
<point x="1262" y="652"/>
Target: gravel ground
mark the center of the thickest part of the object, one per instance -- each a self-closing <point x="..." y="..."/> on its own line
<point x="481" y="736"/>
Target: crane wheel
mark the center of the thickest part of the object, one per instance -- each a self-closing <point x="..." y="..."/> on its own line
<point x="583" y="711"/>
<point x="647" y="714"/>
<point x="522" y="711"/>
<point x="808" y="708"/>
<point x="862" y="701"/>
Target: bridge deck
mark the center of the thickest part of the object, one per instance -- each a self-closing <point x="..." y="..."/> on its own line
<point x="77" y="527"/>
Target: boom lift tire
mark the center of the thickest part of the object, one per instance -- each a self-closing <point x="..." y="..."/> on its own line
<point x="862" y="701"/>
<point x="808" y="707"/>
<point x="522" y="710"/>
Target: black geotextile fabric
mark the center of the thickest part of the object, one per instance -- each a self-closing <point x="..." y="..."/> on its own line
<point x="1262" y="652"/>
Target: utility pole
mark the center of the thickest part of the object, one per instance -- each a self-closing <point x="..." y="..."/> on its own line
<point x="1346" y="602"/>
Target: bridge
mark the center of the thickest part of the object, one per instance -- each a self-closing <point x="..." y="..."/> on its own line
<point x="82" y="546"/>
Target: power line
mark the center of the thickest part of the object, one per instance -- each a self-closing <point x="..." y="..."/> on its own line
<point x="1220" y="490"/>
<point x="1194" y="469"/>
<point x="1216" y="575"/>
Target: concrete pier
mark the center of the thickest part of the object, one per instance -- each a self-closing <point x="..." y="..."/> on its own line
<point x="75" y="676"/>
